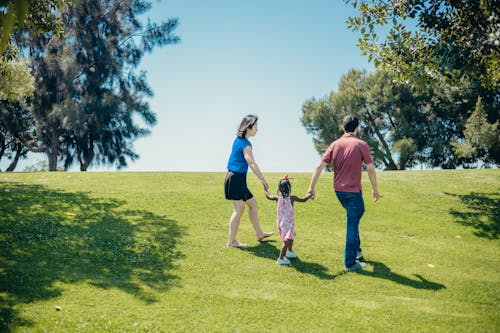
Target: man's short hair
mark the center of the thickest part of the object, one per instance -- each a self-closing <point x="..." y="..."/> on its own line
<point x="350" y="123"/>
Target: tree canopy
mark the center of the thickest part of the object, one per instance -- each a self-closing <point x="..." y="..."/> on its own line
<point x="403" y="125"/>
<point x="434" y="60"/>
<point x="89" y="93"/>
<point x="432" y="39"/>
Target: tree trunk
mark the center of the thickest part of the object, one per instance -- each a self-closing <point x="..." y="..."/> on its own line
<point x="19" y="153"/>
<point x="53" y="151"/>
<point x="85" y="161"/>
<point x="3" y="146"/>
<point x="390" y="165"/>
<point x="52" y="161"/>
<point x="85" y="164"/>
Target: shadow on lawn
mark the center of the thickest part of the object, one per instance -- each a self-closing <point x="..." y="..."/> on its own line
<point x="381" y="271"/>
<point x="267" y="249"/>
<point x="49" y="236"/>
<point x="483" y="213"/>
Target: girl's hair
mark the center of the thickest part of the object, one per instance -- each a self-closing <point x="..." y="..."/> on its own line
<point x="285" y="187"/>
<point x="247" y="123"/>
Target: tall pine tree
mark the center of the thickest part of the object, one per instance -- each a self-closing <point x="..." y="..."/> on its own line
<point x="88" y="88"/>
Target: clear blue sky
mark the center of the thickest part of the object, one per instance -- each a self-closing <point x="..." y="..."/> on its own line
<point x="237" y="57"/>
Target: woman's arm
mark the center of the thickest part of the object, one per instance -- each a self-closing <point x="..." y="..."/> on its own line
<point x="271" y="197"/>
<point x="247" y="153"/>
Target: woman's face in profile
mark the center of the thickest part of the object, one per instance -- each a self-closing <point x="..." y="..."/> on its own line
<point x="252" y="131"/>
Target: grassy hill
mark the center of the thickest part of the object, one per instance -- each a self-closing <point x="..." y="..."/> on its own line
<point x="145" y="252"/>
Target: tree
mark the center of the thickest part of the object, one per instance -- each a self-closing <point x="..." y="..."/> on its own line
<point x="407" y="150"/>
<point x="446" y="38"/>
<point x="88" y="92"/>
<point x="16" y="125"/>
<point x="402" y="124"/>
<point x="430" y="42"/>
<point x="447" y="51"/>
<point x="481" y="140"/>
<point x="36" y="16"/>
<point x="16" y="81"/>
<point x="359" y="96"/>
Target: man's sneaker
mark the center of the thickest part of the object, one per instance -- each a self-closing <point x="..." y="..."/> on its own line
<point x="291" y="254"/>
<point x="357" y="266"/>
<point x="359" y="255"/>
<point x="284" y="261"/>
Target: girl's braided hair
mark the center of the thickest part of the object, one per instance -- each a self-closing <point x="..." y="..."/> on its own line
<point x="285" y="187"/>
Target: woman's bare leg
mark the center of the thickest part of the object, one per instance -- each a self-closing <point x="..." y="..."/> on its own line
<point x="234" y="222"/>
<point x="254" y="218"/>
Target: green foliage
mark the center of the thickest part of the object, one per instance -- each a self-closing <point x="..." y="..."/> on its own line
<point x="16" y="126"/>
<point x="481" y="139"/>
<point x="34" y="16"/>
<point x="406" y="148"/>
<point x="13" y="13"/>
<point x="432" y="39"/>
<point x="145" y="252"/>
<point x="17" y="83"/>
<point x="439" y="42"/>
<point x="89" y="91"/>
<point x="395" y="118"/>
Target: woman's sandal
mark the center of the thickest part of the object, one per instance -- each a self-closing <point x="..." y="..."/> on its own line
<point x="236" y="244"/>
<point x="264" y="235"/>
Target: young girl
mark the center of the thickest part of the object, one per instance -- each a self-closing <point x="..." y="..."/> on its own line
<point x="285" y="218"/>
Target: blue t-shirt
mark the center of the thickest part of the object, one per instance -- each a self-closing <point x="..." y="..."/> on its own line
<point x="237" y="162"/>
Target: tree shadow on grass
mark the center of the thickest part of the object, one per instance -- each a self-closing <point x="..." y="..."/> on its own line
<point x="49" y="236"/>
<point x="381" y="271"/>
<point x="482" y="213"/>
<point x="267" y="249"/>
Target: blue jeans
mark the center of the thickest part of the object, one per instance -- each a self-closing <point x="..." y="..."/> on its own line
<point x="355" y="207"/>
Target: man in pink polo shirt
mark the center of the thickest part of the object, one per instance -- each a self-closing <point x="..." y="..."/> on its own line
<point x="347" y="155"/>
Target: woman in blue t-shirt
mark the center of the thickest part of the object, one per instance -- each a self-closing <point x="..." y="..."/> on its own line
<point x="235" y="185"/>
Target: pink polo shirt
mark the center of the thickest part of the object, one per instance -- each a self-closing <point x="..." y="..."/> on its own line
<point x="347" y="155"/>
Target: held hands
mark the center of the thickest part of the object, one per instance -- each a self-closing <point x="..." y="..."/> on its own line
<point x="311" y="193"/>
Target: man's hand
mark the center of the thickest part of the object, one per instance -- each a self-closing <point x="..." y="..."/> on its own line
<point x="376" y="196"/>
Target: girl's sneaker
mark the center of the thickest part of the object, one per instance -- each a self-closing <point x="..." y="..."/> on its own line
<point x="284" y="261"/>
<point x="291" y="254"/>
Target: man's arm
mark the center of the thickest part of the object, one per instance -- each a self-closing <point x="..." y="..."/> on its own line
<point x="370" y="168"/>
<point x="317" y="172"/>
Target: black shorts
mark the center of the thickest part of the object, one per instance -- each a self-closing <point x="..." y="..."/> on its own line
<point x="235" y="186"/>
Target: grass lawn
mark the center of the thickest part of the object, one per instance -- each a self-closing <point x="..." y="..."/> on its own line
<point x="145" y="252"/>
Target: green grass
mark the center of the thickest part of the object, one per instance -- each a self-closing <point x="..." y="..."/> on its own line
<point x="145" y="252"/>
